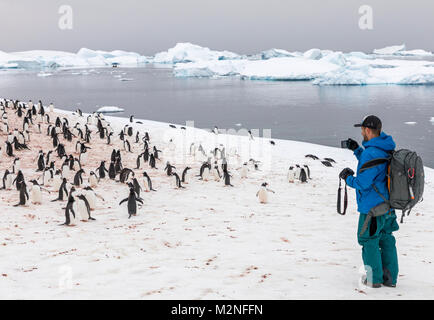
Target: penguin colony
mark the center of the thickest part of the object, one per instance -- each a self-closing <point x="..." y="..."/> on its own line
<point x="65" y="175"/>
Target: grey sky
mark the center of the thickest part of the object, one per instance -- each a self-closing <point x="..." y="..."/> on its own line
<point x="242" y="26"/>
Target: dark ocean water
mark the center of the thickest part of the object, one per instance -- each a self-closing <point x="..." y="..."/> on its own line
<point x="292" y="110"/>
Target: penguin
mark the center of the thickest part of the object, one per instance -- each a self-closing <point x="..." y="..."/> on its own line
<point x="112" y="171"/>
<point x="124" y="174"/>
<point x="227" y="178"/>
<point x="62" y="189"/>
<point x="291" y="174"/>
<point x="244" y="170"/>
<point x="91" y="196"/>
<point x="93" y="181"/>
<point x="35" y="193"/>
<point x="137" y="187"/>
<point x="127" y="145"/>
<point x="303" y="176"/>
<point x="65" y="168"/>
<point x="152" y="161"/>
<point x="132" y="203"/>
<point x="147" y="183"/>
<point x="138" y="160"/>
<point x="9" y="150"/>
<point x="132" y="118"/>
<point x="83" y="208"/>
<point x="156" y="151"/>
<point x="169" y="168"/>
<point x="216" y="172"/>
<point x="7" y="180"/>
<point x="47" y="161"/>
<point x="177" y="181"/>
<point x="78" y="179"/>
<point x="18" y="180"/>
<point x="130" y="131"/>
<point x="307" y="170"/>
<point x="262" y="194"/>
<point x="202" y="169"/>
<point x="330" y="160"/>
<point x="51" y="106"/>
<point x="57" y="180"/>
<point x="101" y="170"/>
<point x="184" y="175"/>
<point x="70" y="217"/>
<point x="327" y="163"/>
<point x="16" y="165"/>
<point x="24" y="196"/>
<point x="41" y="161"/>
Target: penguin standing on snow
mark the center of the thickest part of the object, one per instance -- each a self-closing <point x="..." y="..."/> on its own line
<point x="262" y="194"/>
<point x="132" y="203"/>
<point x="7" y="180"/>
<point x="177" y="181"/>
<point x="83" y="208"/>
<point x="169" y="168"/>
<point x="152" y="161"/>
<point x="91" y="196"/>
<point x="41" y="161"/>
<point x="16" y="165"/>
<point x="101" y="170"/>
<point x="57" y="180"/>
<point x="62" y="189"/>
<point x="93" y="181"/>
<point x="227" y="178"/>
<point x="24" y="196"/>
<point x="184" y="175"/>
<point x="36" y="193"/>
<point x="291" y="174"/>
<point x="70" y="218"/>
<point x="18" y="180"/>
<point x="78" y="179"/>
<point x="303" y="175"/>
<point x="147" y="183"/>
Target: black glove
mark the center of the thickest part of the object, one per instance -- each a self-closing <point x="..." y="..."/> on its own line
<point x="352" y="144"/>
<point x="345" y="173"/>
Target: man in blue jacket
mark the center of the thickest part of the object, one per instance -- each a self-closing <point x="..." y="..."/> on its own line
<point x="378" y="244"/>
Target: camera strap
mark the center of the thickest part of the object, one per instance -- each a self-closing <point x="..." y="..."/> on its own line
<point x="339" y="202"/>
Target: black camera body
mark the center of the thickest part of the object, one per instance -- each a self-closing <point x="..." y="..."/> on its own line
<point x="344" y="144"/>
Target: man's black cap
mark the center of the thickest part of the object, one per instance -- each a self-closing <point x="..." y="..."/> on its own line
<point x="372" y="122"/>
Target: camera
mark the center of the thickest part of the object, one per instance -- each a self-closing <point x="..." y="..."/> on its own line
<point x="344" y="144"/>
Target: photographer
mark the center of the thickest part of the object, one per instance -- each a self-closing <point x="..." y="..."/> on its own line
<point x="378" y="244"/>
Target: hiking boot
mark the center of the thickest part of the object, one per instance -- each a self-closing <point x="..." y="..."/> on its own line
<point x="371" y="285"/>
<point x="389" y="284"/>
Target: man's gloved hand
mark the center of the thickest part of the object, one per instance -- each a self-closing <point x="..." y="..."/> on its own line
<point x="352" y="144"/>
<point x="345" y="173"/>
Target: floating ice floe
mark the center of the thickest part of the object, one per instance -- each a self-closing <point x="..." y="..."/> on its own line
<point x="410" y="123"/>
<point x="390" y="50"/>
<point x="110" y="109"/>
<point x="432" y="119"/>
<point x="126" y="79"/>
<point x="187" y="52"/>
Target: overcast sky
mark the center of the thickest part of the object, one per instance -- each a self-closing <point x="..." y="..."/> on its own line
<point x="242" y="26"/>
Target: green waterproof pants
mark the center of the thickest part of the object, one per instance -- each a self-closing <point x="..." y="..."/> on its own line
<point x="378" y="248"/>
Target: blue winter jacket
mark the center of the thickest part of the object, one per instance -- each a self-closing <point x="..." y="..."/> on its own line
<point x="367" y="197"/>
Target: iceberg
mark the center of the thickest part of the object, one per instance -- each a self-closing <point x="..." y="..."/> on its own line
<point x="275" y="53"/>
<point x="313" y="54"/>
<point x="37" y="59"/>
<point x="110" y="109"/>
<point x="390" y="50"/>
<point x="187" y="52"/>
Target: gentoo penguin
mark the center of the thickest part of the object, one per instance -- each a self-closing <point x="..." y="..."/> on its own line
<point x="204" y="166"/>
<point x="41" y="161"/>
<point x="307" y="171"/>
<point x="51" y="106"/>
<point x="227" y="178"/>
<point x="137" y="187"/>
<point x="215" y="172"/>
<point x="35" y="193"/>
<point x="132" y="118"/>
<point x="93" y="181"/>
<point x="112" y="171"/>
<point x="57" y="180"/>
<point x="147" y="183"/>
<point x="156" y="151"/>
<point x="101" y="170"/>
<point x="65" y="168"/>
<point x="138" y="160"/>
<point x="16" y="165"/>
<point x="91" y="196"/>
<point x="83" y="208"/>
<point x="244" y="170"/>
<point x="177" y="181"/>
<point x="152" y="161"/>
<point x="262" y="194"/>
<point x="169" y="168"/>
<point x="303" y="175"/>
<point x="184" y="175"/>
<point x="9" y="149"/>
<point x="127" y="146"/>
<point x="78" y="179"/>
<point x="291" y="174"/>
<point x="71" y="219"/>
<point x="132" y="203"/>
<point x="7" y="180"/>
<point x="18" y="180"/>
<point x="24" y="196"/>
<point x="62" y="189"/>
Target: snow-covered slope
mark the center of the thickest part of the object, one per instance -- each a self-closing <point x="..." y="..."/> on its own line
<point x="206" y="241"/>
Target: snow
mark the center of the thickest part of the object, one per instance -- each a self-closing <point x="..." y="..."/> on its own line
<point x="110" y="109"/>
<point x="313" y="54"/>
<point x="206" y="241"/>
<point x="188" y="52"/>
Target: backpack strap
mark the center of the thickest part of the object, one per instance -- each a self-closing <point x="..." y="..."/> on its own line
<point x="373" y="163"/>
